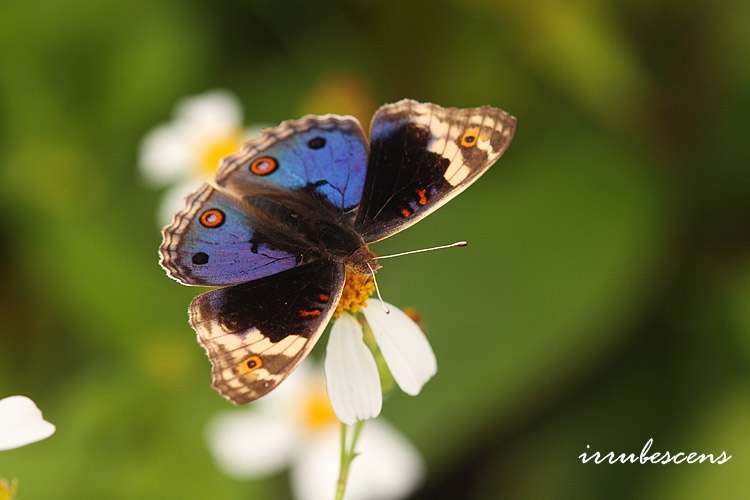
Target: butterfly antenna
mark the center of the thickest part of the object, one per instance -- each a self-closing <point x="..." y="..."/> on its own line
<point x="377" y="289"/>
<point x="410" y="252"/>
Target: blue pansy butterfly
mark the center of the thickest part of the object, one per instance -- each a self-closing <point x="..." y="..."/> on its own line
<point x="296" y="207"/>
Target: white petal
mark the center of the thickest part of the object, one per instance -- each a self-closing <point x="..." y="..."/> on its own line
<point x="21" y="423"/>
<point x="246" y="443"/>
<point x="404" y="346"/>
<point x="351" y="373"/>
<point x="166" y="155"/>
<point x="173" y="200"/>
<point x="213" y="114"/>
<point x="388" y="466"/>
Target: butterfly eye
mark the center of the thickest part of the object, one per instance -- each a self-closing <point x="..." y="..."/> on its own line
<point x="213" y="217"/>
<point x="264" y="165"/>
<point x="250" y="364"/>
<point x="469" y="139"/>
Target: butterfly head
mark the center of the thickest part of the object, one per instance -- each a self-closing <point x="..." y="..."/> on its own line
<point x="363" y="261"/>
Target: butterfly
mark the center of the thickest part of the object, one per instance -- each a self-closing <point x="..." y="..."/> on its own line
<point x="293" y="210"/>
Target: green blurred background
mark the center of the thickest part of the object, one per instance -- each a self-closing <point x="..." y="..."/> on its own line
<point x="604" y="300"/>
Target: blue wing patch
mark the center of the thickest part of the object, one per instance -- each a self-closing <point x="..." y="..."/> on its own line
<point x="212" y="242"/>
<point x="326" y="153"/>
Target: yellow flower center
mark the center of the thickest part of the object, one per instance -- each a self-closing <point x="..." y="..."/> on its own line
<point x="316" y="411"/>
<point x="8" y="489"/>
<point x="357" y="289"/>
<point x="214" y="151"/>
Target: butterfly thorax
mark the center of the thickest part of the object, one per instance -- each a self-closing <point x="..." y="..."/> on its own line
<point x="310" y="227"/>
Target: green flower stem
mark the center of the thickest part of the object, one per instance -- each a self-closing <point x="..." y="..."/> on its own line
<point x="349" y="451"/>
<point x="386" y="379"/>
<point x="348" y="454"/>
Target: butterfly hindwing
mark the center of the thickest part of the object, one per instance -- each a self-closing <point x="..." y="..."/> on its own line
<point x="256" y="333"/>
<point x="214" y="241"/>
<point x="327" y="154"/>
<point x="421" y="156"/>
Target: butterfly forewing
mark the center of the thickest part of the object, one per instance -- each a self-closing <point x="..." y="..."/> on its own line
<point x="421" y="156"/>
<point x="256" y="333"/>
<point x="326" y="154"/>
<point x="215" y="241"/>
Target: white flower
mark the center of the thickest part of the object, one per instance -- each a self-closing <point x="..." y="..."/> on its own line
<point x="295" y="427"/>
<point x="386" y="467"/>
<point x="352" y="376"/>
<point x="185" y="152"/>
<point x="351" y="373"/>
<point x="21" y="423"/>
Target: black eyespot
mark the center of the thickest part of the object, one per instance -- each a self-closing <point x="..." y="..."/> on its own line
<point x="316" y="143"/>
<point x="200" y="258"/>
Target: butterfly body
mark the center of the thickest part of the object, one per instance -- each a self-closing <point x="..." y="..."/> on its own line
<point x="307" y="224"/>
<point x="296" y="207"/>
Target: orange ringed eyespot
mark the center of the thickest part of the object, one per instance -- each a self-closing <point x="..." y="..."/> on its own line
<point x="422" y="194"/>
<point x="469" y="139"/>
<point x="213" y="217"/>
<point x="264" y="165"/>
<point x="250" y="364"/>
<point x="405" y="212"/>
